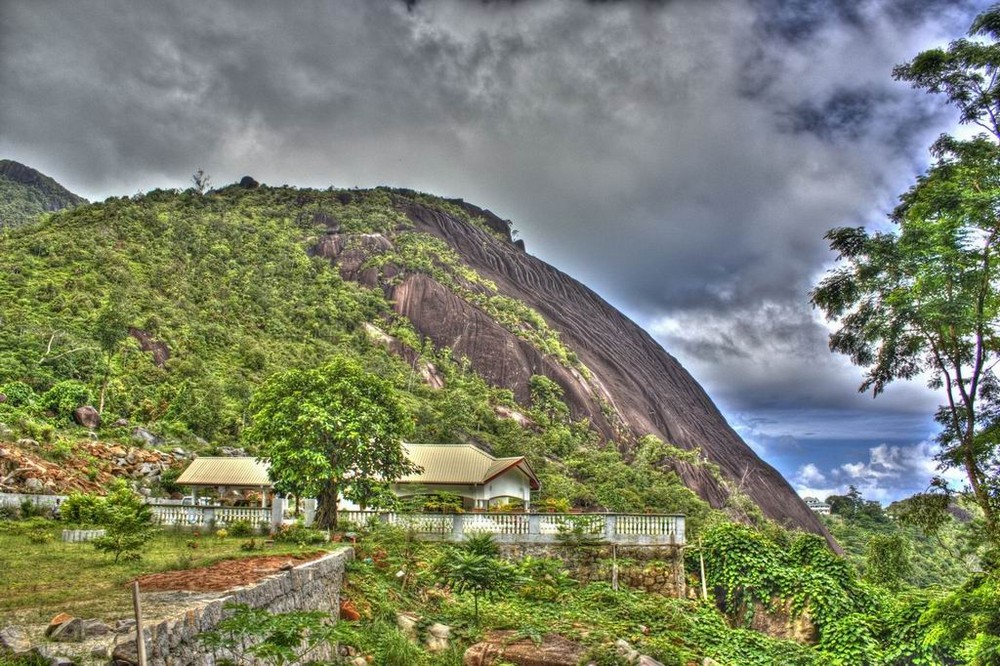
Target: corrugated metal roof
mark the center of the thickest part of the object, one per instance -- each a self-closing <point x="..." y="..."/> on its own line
<point x="210" y="471"/>
<point x="458" y="464"/>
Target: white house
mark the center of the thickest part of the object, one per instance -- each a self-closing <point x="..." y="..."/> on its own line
<point x="481" y="480"/>
<point x="819" y="506"/>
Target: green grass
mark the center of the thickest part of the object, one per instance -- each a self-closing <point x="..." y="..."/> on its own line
<point x="41" y="577"/>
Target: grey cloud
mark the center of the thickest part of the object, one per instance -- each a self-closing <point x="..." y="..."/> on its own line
<point x="684" y="158"/>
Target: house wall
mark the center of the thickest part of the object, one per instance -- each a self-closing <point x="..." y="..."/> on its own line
<point x="512" y="483"/>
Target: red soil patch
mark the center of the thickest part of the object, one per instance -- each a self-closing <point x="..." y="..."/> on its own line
<point x="223" y="575"/>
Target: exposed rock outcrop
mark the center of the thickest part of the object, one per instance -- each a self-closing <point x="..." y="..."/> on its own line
<point x="635" y="387"/>
<point x="500" y="647"/>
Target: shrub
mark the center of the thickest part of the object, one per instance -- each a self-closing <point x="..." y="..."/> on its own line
<point x="83" y="509"/>
<point x="256" y="635"/>
<point x="300" y="535"/>
<point x="240" y="528"/>
<point x="127" y="521"/>
<point x="65" y="397"/>
<point x="19" y="394"/>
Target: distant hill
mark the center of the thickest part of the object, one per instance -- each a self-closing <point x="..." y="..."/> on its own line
<point x="25" y="194"/>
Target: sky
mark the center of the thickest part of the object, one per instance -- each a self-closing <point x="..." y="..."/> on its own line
<point x="683" y="158"/>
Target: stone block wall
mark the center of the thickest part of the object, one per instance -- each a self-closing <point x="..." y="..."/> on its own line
<point x="658" y="569"/>
<point x="311" y="586"/>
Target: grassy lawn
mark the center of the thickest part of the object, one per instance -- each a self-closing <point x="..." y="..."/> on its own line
<point x="40" y="576"/>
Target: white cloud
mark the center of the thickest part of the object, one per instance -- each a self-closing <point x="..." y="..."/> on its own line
<point x="810" y="474"/>
<point x="889" y="474"/>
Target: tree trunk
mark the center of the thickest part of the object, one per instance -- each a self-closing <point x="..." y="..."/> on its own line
<point x="326" y="511"/>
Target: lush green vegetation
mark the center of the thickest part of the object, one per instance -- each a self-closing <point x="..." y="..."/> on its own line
<point x="751" y="571"/>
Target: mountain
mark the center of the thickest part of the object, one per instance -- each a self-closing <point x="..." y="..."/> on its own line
<point x="25" y="194"/>
<point x="172" y="306"/>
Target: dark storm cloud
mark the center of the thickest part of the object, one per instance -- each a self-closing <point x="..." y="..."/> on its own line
<point x="684" y="158"/>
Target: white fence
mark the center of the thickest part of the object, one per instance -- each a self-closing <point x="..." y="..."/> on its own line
<point x="209" y="516"/>
<point x="619" y="528"/>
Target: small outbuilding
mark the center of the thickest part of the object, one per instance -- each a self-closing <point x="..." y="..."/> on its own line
<point x="226" y="474"/>
<point x="466" y="470"/>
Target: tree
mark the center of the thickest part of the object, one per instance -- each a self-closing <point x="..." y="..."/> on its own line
<point x="475" y="567"/>
<point x="322" y="427"/>
<point x="924" y="298"/>
<point x="202" y="181"/>
<point x="127" y="521"/>
<point x="110" y="331"/>
<point x="887" y="559"/>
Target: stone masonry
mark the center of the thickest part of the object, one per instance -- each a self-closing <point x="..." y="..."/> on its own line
<point x="311" y="586"/>
<point x="658" y="569"/>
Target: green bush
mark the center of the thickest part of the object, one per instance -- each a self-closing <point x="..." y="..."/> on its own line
<point x="19" y="395"/>
<point x="127" y="521"/>
<point x="63" y="398"/>
<point x="84" y="509"/>
<point x="240" y="528"/>
<point x="300" y="535"/>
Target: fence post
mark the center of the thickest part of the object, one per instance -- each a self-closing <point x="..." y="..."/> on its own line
<point x="534" y="524"/>
<point x="309" y="508"/>
<point x="610" y="526"/>
<point x="277" y="511"/>
<point x="457" y="526"/>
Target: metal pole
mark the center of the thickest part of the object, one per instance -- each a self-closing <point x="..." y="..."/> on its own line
<point x="701" y="561"/>
<point x="140" y="641"/>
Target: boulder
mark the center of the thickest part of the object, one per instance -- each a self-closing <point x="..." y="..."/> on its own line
<point x="50" y="654"/>
<point x="120" y="423"/>
<point x="87" y="416"/>
<point x="248" y="183"/>
<point x="145" y="437"/>
<point x="438" y="636"/>
<point x="56" y="621"/>
<point x="94" y="628"/>
<point x="407" y="624"/>
<point x="73" y="631"/>
<point x="34" y="485"/>
<point x="126" y="652"/>
<point x="626" y="651"/>
<point x="778" y="622"/>
<point x="3" y="398"/>
<point x="14" y="640"/>
<point x="495" y="647"/>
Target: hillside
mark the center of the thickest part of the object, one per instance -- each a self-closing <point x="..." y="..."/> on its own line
<point x="25" y="194"/>
<point x="172" y="306"/>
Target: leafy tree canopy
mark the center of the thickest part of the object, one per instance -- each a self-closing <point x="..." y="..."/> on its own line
<point x="324" y="429"/>
<point x="924" y="297"/>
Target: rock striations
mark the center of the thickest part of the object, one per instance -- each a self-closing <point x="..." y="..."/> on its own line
<point x="634" y="386"/>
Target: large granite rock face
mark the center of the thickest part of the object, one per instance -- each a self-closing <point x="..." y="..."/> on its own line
<point x="647" y="390"/>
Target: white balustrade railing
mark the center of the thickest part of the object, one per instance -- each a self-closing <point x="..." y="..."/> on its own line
<point x="620" y="528"/>
<point x="209" y="516"/>
<point x="637" y="529"/>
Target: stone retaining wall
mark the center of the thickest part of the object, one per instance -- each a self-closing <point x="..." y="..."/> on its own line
<point x="311" y="586"/>
<point x="658" y="569"/>
<point x="15" y="499"/>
